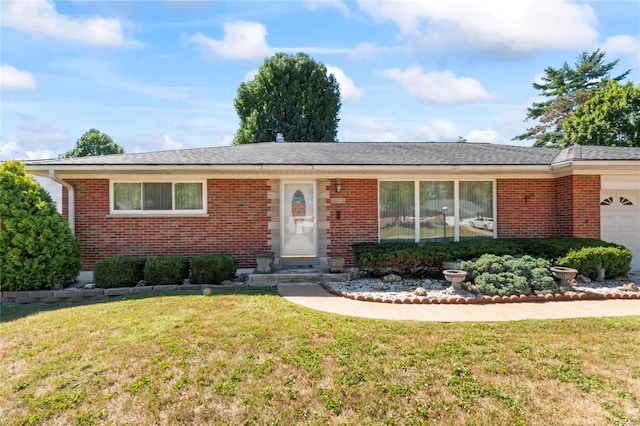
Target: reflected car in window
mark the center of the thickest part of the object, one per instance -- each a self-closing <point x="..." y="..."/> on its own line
<point x="482" y="222"/>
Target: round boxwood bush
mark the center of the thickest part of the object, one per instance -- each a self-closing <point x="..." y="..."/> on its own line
<point x="616" y="261"/>
<point x="119" y="271"/>
<point x="37" y="248"/>
<point x="212" y="268"/>
<point x="166" y="270"/>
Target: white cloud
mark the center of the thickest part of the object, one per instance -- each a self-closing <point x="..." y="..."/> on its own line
<point x="171" y="144"/>
<point x="12" y="78"/>
<point x="8" y="150"/>
<point x="523" y="26"/>
<point x="366" y="129"/>
<point x="439" y="86"/>
<point x="40" y="154"/>
<point x="486" y="135"/>
<point x="251" y="74"/>
<point x="334" y="4"/>
<point x="242" y="41"/>
<point x="36" y="141"/>
<point x="436" y="130"/>
<point x="368" y="50"/>
<point x="40" y="18"/>
<point x="348" y="90"/>
<point x="623" y="44"/>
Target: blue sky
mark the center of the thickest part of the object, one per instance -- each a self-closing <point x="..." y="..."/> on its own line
<point x="158" y="75"/>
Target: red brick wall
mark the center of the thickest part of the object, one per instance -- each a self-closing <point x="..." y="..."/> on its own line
<point x="568" y="207"/>
<point x="238" y="218"/>
<point x="578" y="206"/>
<point x="526" y="208"/>
<point x="358" y="216"/>
<point x="237" y="224"/>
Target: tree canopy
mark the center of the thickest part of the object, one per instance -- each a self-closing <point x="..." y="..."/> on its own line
<point x="611" y="117"/>
<point x="37" y="248"/>
<point x="93" y="142"/>
<point x="292" y="95"/>
<point x="567" y="88"/>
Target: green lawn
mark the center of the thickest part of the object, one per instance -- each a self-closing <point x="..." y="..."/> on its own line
<point x="247" y="356"/>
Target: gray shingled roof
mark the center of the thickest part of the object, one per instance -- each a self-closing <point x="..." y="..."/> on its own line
<point x="354" y="153"/>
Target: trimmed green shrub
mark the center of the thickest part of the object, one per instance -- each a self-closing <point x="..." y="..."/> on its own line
<point x="212" y="268"/>
<point x="37" y="248"/>
<point x="169" y="269"/>
<point x="425" y="259"/>
<point x="119" y="271"/>
<point x="508" y="275"/>
<point x="615" y="260"/>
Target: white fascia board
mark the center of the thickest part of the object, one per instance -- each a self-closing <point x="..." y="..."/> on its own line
<point x="257" y="171"/>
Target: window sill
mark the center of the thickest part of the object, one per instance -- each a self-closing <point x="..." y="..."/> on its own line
<point x="142" y="215"/>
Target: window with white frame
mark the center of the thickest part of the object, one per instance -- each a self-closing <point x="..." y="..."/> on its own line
<point x="158" y="197"/>
<point x="435" y="210"/>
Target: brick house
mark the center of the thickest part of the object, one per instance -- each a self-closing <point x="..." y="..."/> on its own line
<point x="313" y="200"/>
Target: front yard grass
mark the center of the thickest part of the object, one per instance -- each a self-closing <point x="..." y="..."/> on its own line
<point x="247" y="356"/>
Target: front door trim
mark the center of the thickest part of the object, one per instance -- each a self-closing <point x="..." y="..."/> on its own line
<point x="302" y="233"/>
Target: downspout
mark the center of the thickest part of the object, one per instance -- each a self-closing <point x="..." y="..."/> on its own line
<point x="71" y="199"/>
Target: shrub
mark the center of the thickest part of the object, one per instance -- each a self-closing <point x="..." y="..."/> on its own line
<point x="166" y="270"/>
<point x="425" y="259"/>
<point x="119" y="271"/>
<point x="212" y="268"/>
<point x="37" y="248"/>
<point x="508" y="275"/>
<point x="615" y="260"/>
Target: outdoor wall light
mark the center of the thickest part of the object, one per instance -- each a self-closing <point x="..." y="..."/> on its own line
<point x="338" y="185"/>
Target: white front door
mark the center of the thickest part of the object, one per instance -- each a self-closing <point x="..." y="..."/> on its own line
<point x="299" y="233"/>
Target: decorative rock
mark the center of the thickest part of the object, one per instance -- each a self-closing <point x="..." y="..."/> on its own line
<point x="392" y="278"/>
<point x="420" y="291"/>
<point x="582" y="279"/>
<point x="89" y="286"/>
<point x="186" y="281"/>
<point x="141" y="283"/>
<point x="629" y="287"/>
<point x="380" y="286"/>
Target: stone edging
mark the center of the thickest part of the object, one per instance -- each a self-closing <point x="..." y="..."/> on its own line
<point x="80" y="295"/>
<point x="460" y="300"/>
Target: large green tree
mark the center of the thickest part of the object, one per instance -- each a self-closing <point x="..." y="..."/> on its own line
<point x="93" y="142"/>
<point x="611" y="117"/>
<point x="37" y="248"/>
<point x="292" y="95"/>
<point x="566" y="88"/>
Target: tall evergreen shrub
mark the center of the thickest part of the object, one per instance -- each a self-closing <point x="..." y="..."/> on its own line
<point x="37" y="248"/>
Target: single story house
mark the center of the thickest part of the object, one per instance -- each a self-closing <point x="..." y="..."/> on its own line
<point x="311" y="201"/>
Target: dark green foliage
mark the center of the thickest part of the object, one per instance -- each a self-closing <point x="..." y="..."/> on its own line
<point x="566" y="89"/>
<point x="425" y="259"/>
<point x="212" y="268"/>
<point x="615" y="260"/>
<point x="119" y="271"/>
<point x="93" y="142"/>
<point x="508" y="275"/>
<point x="37" y="248"/>
<point x="292" y="95"/>
<point x="166" y="270"/>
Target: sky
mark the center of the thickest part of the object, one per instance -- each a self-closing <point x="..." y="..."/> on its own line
<point x="163" y="75"/>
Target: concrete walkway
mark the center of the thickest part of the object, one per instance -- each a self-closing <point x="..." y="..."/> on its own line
<point x="313" y="296"/>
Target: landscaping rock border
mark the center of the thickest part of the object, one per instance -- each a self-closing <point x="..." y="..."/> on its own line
<point x="73" y="294"/>
<point x="457" y="300"/>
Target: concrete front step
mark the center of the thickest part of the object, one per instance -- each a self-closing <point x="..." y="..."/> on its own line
<point x="295" y="276"/>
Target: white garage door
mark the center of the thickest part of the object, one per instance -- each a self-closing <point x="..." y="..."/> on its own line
<point x="620" y="221"/>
